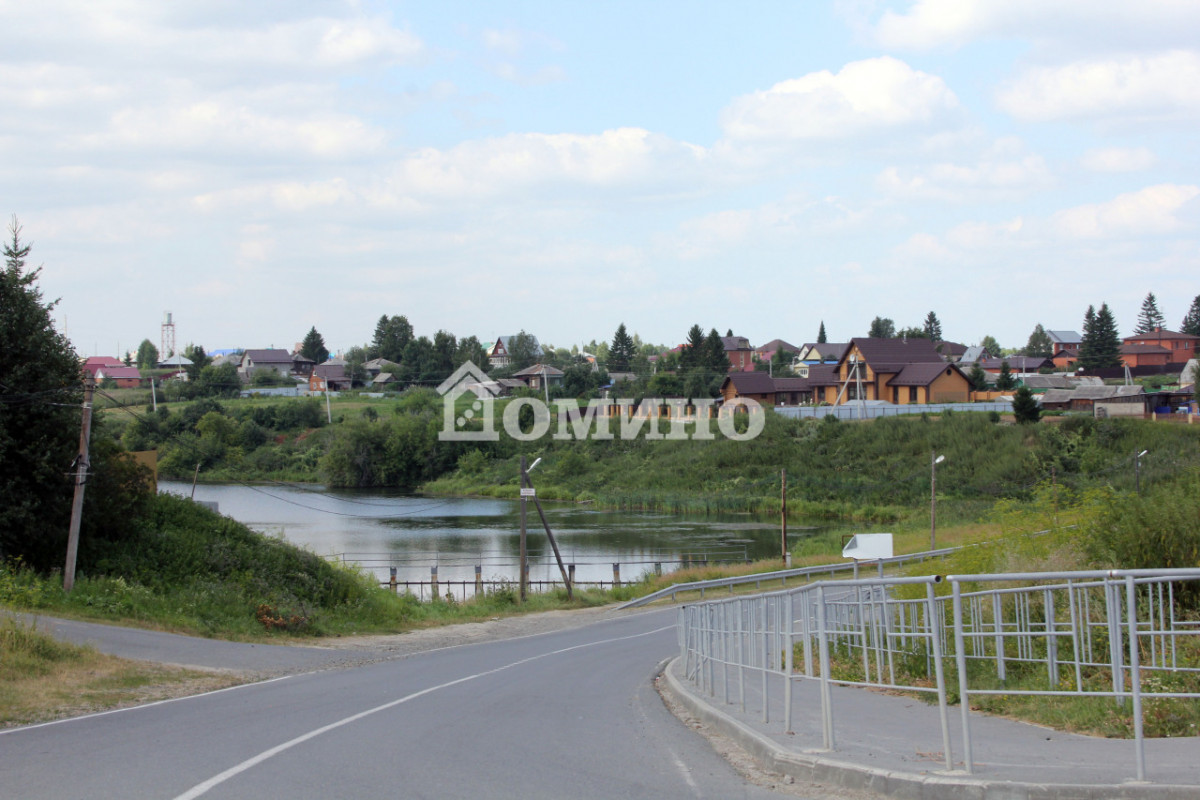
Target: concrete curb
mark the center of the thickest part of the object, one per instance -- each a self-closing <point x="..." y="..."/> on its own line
<point x="906" y="785"/>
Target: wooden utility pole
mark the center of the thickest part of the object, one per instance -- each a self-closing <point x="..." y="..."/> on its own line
<point x="81" y="474"/>
<point x="783" y="512"/>
<point x="524" y="557"/>
<point x="526" y="483"/>
<point x="932" y="500"/>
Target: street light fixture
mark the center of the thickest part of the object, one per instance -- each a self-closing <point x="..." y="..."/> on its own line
<point x="934" y="461"/>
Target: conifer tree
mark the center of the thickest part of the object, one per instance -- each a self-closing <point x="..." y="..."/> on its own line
<point x="933" y="327"/>
<point x="821" y="333"/>
<point x="1191" y="323"/>
<point x="1039" y="344"/>
<point x="1025" y="407"/>
<point x="313" y="346"/>
<point x="1149" y="318"/>
<point x="1087" y="342"/>
<point x="40" y="389"/>
<point x="621" y="353"/>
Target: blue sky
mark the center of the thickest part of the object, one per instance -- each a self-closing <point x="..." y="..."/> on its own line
<point x="257" y="169"/>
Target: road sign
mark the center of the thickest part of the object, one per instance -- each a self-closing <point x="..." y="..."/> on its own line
<point x="528" y="492"/>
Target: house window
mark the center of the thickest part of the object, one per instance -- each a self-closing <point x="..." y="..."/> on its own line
<point x="912" y="394"/>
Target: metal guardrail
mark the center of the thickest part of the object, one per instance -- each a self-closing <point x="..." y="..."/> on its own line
<point x="1104" y="634"/>
<point x="807" y="573"/>
<point x="853" y="410"/>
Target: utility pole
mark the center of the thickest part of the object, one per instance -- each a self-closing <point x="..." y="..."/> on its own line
<point x="783" y="514"/>
<point x="81" y="473"/>
<point x="934" y="460"/>
<point x="524" y="558"/>
<point x="526" y="483"/>
<point x="328" y="408"/>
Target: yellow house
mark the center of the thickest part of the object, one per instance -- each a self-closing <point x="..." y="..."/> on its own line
<point x="899" y="371"/>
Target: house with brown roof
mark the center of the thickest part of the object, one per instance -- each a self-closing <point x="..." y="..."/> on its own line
<point x="329" y="377"/>
<point x="739" y="353"/>
<point x="767" y="351"/>
<point x="1017" y="365"/>
<point x="822" y="353"/>
<point x="756" y="386"/>
<point x="1148" y="348"/>
<point x="899" y="371"/>
<point x="93" y="363"/>
<point x="254" y="361"/>
<point x="122" y="376"/>
<point x="539" y="376"/>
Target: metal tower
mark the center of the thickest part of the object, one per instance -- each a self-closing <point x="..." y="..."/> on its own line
<point x="168" y="337"/>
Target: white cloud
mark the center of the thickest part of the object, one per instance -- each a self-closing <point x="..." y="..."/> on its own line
<point x="864" y="97"/>
<point x="619" y="157"/>
<point x="1150" y="211"/>
<point x="929" y="24"/>
<point x="1165" y="85"/>
<point x="956" y="183"/>
<point x="1118" y="159"/>
<point x="226" y="125"/>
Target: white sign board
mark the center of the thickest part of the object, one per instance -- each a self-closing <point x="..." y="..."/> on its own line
<point x="868" y="546"/>
<point x="528" y="492"/>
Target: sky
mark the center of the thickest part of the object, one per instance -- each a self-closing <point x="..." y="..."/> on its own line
<point x="258" y="169"/>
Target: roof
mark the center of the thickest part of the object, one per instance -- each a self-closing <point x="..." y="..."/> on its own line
<point x="121" y="372"/>
<point x="972" y="354"/>
<point x="1144" y="349"/>
<point x="777" y="344"/>
<point x="300" y="358"/>
<point x="174" y="361"/>
<point x="827" y="350"/>
<point x="735" y="343"/>
<point x="1158" y="335"/>
<point x="951" y="348"/>
<point x="379" y="363"/>
<point x="923" y="374"/>
<point x="1017" y="363"/>
<point x="891" y="355"/>
<point x="506" y="341"/>
<point x="1091" y="393"/>
<point x="103" y="361"/>
<point x="1064" y="337"/>
<point x="275" y="356"/>
<point x="539" y="369"/>
<point x="750" y="382"/>
<point x="330" y="372"/>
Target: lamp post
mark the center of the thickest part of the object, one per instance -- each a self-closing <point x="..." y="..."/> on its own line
<point x="934" y="460"/>
<point x="1137" y="470"/>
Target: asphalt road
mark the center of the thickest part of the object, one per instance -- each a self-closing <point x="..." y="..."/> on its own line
<point x="568" y="714"/>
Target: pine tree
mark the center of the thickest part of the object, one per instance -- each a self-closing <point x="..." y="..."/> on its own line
<point x="1039" y="344"/>
<point x="1025" y="407"/>
<point x="1191" y="323"/>
<point x="1107" y="346"/>
<point x="978" y="378"/>
<point x="1149" y="318"/>
<point x="621" y="352"/>
<point x="1087" y="342"/>
<point x="715" y="360"/>
<point x="691" y="357"/>
<point x="313" y="346"/>
<point x="933" y="327"/>
<point x="821" y="333"/>
<point x="1005" y="380"/>
<point x="40" y="390"/>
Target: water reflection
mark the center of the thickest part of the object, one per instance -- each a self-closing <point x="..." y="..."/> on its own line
<point x="379" y="529"/>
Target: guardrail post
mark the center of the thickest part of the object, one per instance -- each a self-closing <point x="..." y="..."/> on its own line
<point x="1135" y="675"/>
<point x="392" y="579"/>
<point x="960" y="660"/>
<point x="788" y="658"/>
<point x="935" y="644"/>
<point x="826" y="692"/>
<point x="616" y="575"/>
<point x="434" y="581"/>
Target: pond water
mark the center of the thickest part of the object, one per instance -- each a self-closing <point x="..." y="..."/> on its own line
<point x="379" y="530"/>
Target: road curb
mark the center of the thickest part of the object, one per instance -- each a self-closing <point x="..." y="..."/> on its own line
<point x="906" y="785"/>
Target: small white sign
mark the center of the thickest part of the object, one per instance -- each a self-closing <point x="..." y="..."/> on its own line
<point x="530" y="492"/>
<point x="868" y="546"/>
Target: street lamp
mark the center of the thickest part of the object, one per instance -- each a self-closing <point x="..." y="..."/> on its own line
<point x="934" y="461"/>
<point x="1137" y="470"/>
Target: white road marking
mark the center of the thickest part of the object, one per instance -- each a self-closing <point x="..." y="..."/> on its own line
<point x="128" y="709"/>
<point x="217" y="780"/>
